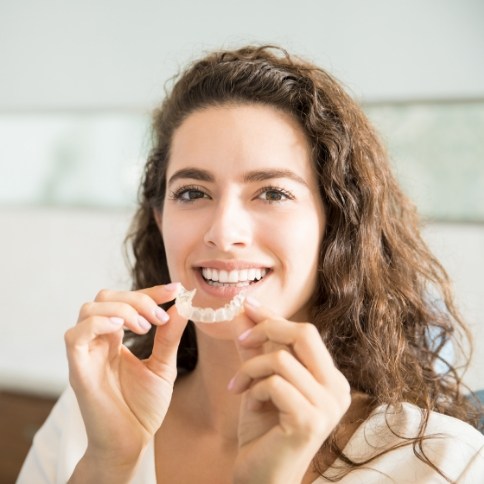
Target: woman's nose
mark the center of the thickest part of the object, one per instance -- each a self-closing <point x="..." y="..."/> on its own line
<point x="229" y="227"/>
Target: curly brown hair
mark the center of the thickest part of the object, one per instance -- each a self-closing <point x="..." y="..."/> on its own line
<point x="374" y="302"/>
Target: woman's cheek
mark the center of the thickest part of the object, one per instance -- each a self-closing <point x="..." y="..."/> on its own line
<point x="182" y="237"/>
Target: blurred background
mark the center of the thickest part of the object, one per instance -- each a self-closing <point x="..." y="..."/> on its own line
<point x="78" y="81"/>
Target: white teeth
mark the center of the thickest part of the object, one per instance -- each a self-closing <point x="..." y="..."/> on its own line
<point x="234" y="276"/>
<point x="223" y="276"/>
<point x="185" y="309"/>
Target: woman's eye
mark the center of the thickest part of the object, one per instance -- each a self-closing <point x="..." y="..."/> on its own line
<point x="188" y="194"/>
<point x="275" y="195"/>
<point x="192" y="195"/>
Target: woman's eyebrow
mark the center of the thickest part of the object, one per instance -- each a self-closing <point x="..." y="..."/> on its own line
<point x="263" y="175"/>
<point x="192" y="173"/>
<point x="249" y="177"/>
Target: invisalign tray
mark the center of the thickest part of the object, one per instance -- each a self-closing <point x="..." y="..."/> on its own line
<point x="184" y="307"/>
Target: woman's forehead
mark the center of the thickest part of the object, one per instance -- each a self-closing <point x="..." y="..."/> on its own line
<point x="247" y="138"/>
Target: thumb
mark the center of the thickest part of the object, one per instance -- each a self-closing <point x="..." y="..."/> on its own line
<point x="166" y="343"/>
<point x="256" y="312"/>
<point x="163" y="292"/>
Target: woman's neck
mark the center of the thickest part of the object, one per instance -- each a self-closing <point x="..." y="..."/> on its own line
<point x="202" y="395"/>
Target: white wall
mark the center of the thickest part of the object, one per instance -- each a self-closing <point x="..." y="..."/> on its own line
<point x="461" y="251"/>
<point x="116" y="54"/>
<point x="52" y="261"/>
<point x="93" y="54"/>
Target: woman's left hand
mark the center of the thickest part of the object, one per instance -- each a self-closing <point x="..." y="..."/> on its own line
<point x="293" y="397"/>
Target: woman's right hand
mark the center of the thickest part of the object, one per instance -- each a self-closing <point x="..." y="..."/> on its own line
<point x="123" y="400"/>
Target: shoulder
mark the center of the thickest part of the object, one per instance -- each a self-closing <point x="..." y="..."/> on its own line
<point x="406" y="419"/>
<point x="453" y="446"/>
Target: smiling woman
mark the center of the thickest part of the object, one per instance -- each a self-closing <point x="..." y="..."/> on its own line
<point x="266" y="182"/>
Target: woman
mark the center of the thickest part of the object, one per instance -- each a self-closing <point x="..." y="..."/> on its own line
<point x="266" y="179"/>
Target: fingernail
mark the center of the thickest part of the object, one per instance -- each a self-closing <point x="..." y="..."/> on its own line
<point x="172" y="286"/>
<point x="143" y="324"/>
<point x="161" y="315"/>
<point x="252" y="302"/>
<point x="116" y="321"/>
<point x="245" y="334"/>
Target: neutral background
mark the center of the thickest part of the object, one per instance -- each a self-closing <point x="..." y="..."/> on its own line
<point x="109" y="56"/>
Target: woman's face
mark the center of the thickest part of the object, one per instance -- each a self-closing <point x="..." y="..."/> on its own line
<point x="242" y="210"/>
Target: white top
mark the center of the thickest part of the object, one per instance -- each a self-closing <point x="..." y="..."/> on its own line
<point x="458" y="450"/>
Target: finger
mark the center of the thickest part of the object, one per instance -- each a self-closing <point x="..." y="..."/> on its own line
<point x="297" y="417"/>
<point x="253" y="314"/>
<point x="162" y="293"/>
<point x="241" y="325"/>
<point x="132" y="319"/>
<point x="166" y="343"/>
<point x="258" y="313"/>
<point x="280" y="363"/>
<point x="80" y="339"/>
<point x="90" y="345"/>
<point x="142" y="301"/>
<point x="285" y="397"/>
<point x="303" y="338"/>
<point x="82" y="334"/>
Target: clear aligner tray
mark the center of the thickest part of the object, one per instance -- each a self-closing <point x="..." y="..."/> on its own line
<point x="184" y="307"/>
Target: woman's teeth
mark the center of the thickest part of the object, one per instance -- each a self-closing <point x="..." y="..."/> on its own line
<point x="238" y="278"/>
